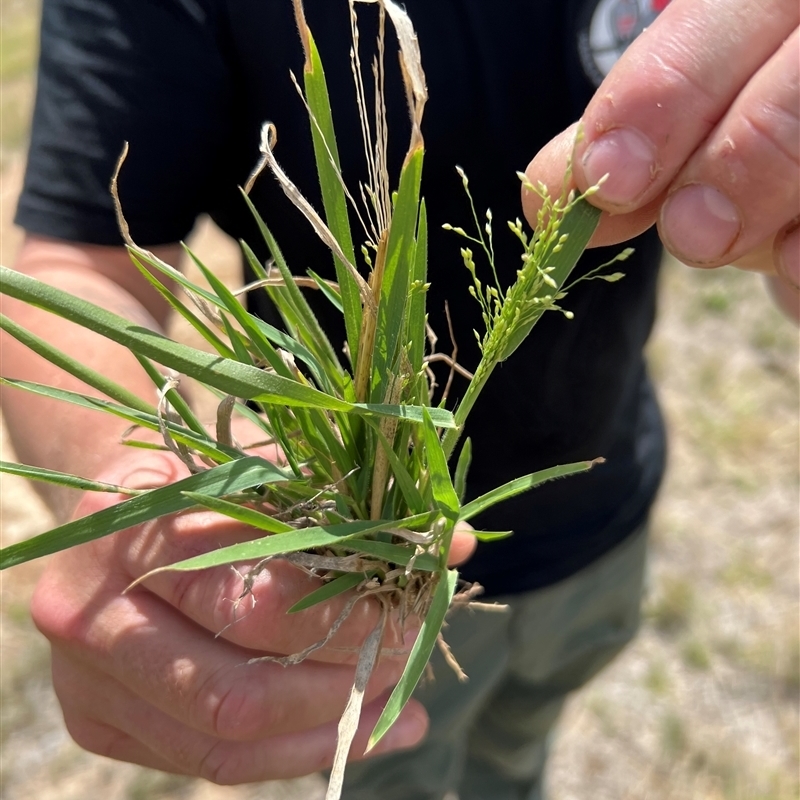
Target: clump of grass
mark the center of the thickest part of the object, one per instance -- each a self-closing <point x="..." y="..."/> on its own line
<point x="657" y="679"/>
<point x="696" y="655"/>
<point x="671" y="611"/>
<point x="362" y="494"/>
<point x="674" y="735"/>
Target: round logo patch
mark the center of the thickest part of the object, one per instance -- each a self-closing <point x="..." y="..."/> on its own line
<point x="608" y="27"/>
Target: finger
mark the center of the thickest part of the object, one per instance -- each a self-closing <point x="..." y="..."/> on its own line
<point x="257" y="616"/>
<point x="786" y="254"/>
<point x="224" y="762"/>
<point x="550" y="165"/>
<point x="463" y="545"/>
<point x="204" y="683"/>
<point x="213" y="598"/>
<point x="109" y="742"/>
<point x="256" y="619"/>
<point x="668" y="91"/>
<point x="741" y="186"/>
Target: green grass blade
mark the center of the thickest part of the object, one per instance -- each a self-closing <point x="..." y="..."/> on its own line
<point x="279" y="544"/>
<point x="183" y="310"/>
<point x="415" y="333"/>
<point x="257" y="338"/>
<point x="241" y="353"/>
<point x="63" y="479"/>
<point x="400" y="252"/>
<point x="462" y="468"/>
<point x="420" y="655"/>
<point x="334" y="296"/>
<point x="173" y="397"/>
<point x="248" y="516"/>
<point x="333" y="196"/>
<point x="332" y="589"/>
<point x="444" y="492"/>
<point x="393" y="553"/>
<point x="234" y="476"/>
<point x="239" y="380"/>
<point x="289" y="296"/>
<point x="440" y="417"/>
<point x="204" y="445"/>
<point x="175" y="275"/>
<point x="520" y="485"/>
<point x="492" y="536"/>
<point x="73" y="367"/>
<point x="299" y="351"/>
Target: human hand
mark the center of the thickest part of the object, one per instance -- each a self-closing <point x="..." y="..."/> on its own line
<point x="697" y="128"/>
<point x="141" y="677"/>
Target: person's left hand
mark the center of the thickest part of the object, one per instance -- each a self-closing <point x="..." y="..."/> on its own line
<point x="697" y="128"/>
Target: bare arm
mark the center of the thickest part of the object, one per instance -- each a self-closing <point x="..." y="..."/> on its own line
<point x="140" y="676"/>
<point x="44" y="432"/>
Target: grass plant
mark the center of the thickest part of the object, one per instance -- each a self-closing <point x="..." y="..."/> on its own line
<point x="369" y="485"/>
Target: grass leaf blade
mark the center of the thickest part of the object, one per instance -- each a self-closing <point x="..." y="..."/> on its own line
<point x="331" y="589"/>
<point x="462" y="468"/>
<point x="443" y="491"/>
<point x="234" y="476"/>
<point x="248" y="516"/>
<point x="420" y="654"/>
<point x="63" y="479"/>
<point x="523" y="484"/>
<point x="333" y="197"/>
<point x="75" y="368"/>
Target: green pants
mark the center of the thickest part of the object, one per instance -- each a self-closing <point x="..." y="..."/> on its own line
<point x="489" y="736"/>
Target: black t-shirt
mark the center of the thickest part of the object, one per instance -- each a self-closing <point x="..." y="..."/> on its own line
<point x="189" y="82"/>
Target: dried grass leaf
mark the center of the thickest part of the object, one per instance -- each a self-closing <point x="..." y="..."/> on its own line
<point x="411" y="66"/>
<point x="268" y="140"/>
<point x="348" y="724"/>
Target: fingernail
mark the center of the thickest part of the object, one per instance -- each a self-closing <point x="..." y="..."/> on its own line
<point x="628" y="158"/>
<point x="408" y="731"/>
<point x="790" y="257"/>
<point x="699" y="223"/>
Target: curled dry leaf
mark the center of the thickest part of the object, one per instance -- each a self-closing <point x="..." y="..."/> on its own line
<point x="269" y="138"/>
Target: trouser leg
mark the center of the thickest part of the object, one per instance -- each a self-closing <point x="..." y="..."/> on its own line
<point x="489" y="737"/>
<point x="480" y="642"/>
<point x="560" y="637"/>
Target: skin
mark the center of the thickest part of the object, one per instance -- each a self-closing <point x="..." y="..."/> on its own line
<point x="697" y="129"/>
<point x="713" y="88"/>
<point x="140" y="676"/>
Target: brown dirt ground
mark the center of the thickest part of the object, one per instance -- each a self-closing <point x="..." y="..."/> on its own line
<point x="703" y="706"/>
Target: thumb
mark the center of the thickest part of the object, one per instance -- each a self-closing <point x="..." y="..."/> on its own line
<point x="463" y="544"/>
<point x="139" y="469"/>
<point x="549" y="167"/>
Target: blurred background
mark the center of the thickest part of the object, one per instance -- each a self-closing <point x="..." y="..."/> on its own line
<point x="706" y="703"/>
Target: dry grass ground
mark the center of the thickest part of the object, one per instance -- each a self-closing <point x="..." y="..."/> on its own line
<point x="703" y="706"/>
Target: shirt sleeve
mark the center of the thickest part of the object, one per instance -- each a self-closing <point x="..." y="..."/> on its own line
<point x="149" y="72"/>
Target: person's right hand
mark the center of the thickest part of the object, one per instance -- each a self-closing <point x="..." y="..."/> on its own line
<point x="142" y="678"/>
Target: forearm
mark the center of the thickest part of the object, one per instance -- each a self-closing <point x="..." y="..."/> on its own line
<point x="49" y="433"/>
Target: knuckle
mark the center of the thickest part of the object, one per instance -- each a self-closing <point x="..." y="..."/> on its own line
<point x="95" y="737"/>
<point x="776" y="131"/>
<point x="50" y="611"/>
<point x="231" y="707"/>
<point x="221" y="765"/>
